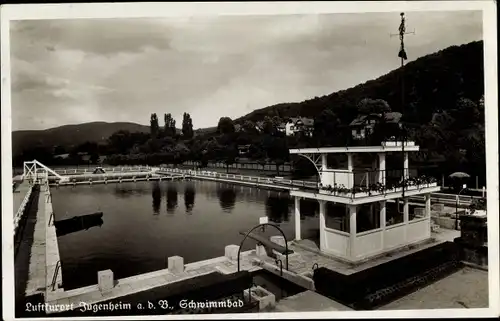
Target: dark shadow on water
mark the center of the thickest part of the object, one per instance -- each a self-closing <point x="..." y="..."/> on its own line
<point x="78" y="223"/>
<point x="171" y="198"/>
<point x="227" y="197"/>
<point x="277" y="209"/>
<point x="189" y="197"/>
<point x="156" y="194"/>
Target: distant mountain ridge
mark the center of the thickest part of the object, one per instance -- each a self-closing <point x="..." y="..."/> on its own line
<point x="69" y="135"/>
<point x="432" y="83"/>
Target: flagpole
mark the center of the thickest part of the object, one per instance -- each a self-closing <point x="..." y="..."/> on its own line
<point x="403" y="56"/>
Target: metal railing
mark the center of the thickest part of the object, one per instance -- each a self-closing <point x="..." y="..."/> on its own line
<point x="353" y="184"/>
<point x="257" y="180"/>
<point x="21" y="210"/>
<point x="76" y="171"/>
<point x="54" y="277"/>
<point x="51" y="219"/>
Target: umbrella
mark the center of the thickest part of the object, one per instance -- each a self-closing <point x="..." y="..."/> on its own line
<point x="459" y="175"/>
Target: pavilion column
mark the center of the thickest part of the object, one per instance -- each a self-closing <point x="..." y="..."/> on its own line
<point x="322" y="225"/>
<point x="406" y="173"/>
<point x="381" y="161"/>
<point x="428" y="205"/>
<point x="383" y="220"/>
<point x="352" y="230"/>
<point x="324" y="162"/>
<point x="297" y="219"/>
<point x="350" y="166"/>
<point x="406" y="214"/>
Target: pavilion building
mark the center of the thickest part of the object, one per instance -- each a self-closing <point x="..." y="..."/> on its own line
<point x="366" y="212"/>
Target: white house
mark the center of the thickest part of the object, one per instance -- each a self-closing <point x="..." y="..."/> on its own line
<point x="297" y="125"/>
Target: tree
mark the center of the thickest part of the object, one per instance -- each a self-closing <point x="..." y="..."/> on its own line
<point x="120" y="142"/>
<point x="155" y="127"/>
<point x="225" y="126"/>
<point x="94" y="158"/>
<point x="468" y="112"/>
<point x="276" y="150"/>
<point x="187" y="126"/>
<point x="170" y="129"/>
<point x="326" y="128"/>
<point x="249" y="127"/>
<point x="368" y="106"/>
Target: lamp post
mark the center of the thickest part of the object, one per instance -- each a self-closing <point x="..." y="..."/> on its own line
<point x="464" y="187"/>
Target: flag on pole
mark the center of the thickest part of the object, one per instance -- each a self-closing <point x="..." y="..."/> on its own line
<point x="402" y="53"/>
<point x="402" y="31"/>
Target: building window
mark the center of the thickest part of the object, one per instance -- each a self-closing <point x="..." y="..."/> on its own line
<point x="394" y="213"/>
<point x="336" y="217"/>
<point x="367" y="217"/>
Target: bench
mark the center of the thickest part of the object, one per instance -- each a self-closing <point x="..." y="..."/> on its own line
<point x="268" y="243"/>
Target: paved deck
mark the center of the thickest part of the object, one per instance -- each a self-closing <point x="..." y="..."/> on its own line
<point x="144" y="282"/>
<point x="303" y="259"/>
<point x="51" y="246"/>
<point x="37" y="263"/>
<point x="467" y="288"/>
<point x="309" y="301"/>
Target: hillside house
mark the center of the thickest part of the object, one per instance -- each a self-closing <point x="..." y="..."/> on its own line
<point x="282" y="128"/>
<point x="243" y="149"/>
<point x="363" y="125"/>
<point x="296" y="125"/>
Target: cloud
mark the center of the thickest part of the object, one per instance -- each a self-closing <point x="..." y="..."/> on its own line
<point x="70" y="71"/>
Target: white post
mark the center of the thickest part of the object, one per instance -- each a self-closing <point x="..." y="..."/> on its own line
<point x="352" y="230"/>
<point x="406" y="216"/>
<point x="406" y="173"/>
<point x="428" y="205"/>
<point x="322" y="225"/>
<point x="324" y="162"/>
<point x="383" y="220"/>
<point x="297" y="219"/>
<point x="349" y="162"/>
<point x="381" y="177"/>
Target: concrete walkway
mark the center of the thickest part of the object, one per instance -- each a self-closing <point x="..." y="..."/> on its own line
<point x="309" y="301"/>
<point x="305" y="256"/>
<point x="467" y="288"/>
<point x="149" y="281"/>
<point x="37" y="263"/>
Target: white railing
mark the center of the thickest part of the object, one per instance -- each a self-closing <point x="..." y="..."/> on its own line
<point x="115" y="169"/>
<point x="20" y="211"/>
<point x="240" y="178"/>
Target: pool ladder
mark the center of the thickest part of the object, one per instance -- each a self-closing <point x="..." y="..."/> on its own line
<point x="54" y="277"/>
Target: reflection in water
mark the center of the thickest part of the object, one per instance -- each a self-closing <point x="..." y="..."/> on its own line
<point x="277" y="209"/>
<point x="122" y="191"/>
<point x="156" y="193"/>
<point x="227" y="197"/>
<point x="189" y="195"/>
<point x="171" y="198"/>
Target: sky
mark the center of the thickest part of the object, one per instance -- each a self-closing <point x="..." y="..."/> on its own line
<point x="83" y="70"/>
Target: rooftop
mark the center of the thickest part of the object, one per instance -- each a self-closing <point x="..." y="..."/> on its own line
<point x="392" y="117"/>
<point x="392" y="146"/>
